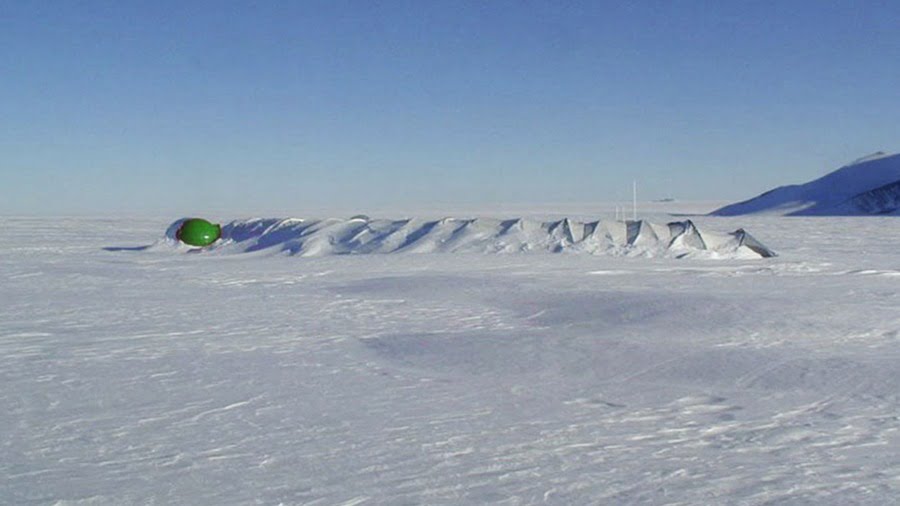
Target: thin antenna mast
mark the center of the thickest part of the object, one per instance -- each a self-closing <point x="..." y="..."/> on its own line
<point x="634" y="200"/>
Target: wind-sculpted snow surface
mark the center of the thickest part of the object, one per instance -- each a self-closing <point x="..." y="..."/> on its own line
<point x="361" y="235"/>
<point x="135" y="376"/>
<point x="868" y="186"/>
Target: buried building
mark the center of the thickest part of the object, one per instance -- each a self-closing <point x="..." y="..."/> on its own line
<point x="362" y="235"/>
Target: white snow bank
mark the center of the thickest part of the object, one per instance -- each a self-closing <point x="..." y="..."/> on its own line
<point x="359" y="235"/>
<point x="870" y="185"/>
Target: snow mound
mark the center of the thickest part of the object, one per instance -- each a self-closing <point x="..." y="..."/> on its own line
<point x="362" y="235"/>
<point x="870" y="185"/>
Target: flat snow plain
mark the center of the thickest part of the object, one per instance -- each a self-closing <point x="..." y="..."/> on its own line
<point x="156" y="377"/>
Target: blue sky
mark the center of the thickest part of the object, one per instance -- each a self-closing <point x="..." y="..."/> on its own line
<point x="175" y="107"/>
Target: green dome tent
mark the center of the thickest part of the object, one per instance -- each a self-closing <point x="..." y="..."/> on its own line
<point x="198" y="232"/>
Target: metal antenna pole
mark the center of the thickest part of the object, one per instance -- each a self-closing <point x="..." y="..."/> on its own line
<point x="634" y="200"/>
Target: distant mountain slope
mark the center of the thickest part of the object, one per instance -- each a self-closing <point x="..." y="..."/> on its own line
<point x="870" y="185"/>
<point x="882" y="200"/>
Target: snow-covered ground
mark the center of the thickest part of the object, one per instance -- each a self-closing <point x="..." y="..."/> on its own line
<point x="158" y="377"/>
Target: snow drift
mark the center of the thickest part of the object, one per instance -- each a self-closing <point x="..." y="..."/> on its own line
<point x="361" y="235"/>
<point x="867" y="186"/>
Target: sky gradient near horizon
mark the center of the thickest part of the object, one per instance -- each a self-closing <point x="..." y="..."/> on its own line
<point x="176" y="107"/>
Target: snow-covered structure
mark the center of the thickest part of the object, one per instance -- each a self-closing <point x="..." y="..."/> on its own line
<point x="361" y="235"/>
<point x="868" y="186"/>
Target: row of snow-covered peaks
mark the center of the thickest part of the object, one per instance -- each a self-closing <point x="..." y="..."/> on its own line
<point x="870" y="185"/>
<point x="359" y="235"/>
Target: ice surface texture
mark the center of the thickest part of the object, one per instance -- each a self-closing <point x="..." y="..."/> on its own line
<point x="359" y="235"/>
<point x="147" y="377"/>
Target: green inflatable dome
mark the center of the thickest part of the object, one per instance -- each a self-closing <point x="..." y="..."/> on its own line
<point x="198" y="232"/>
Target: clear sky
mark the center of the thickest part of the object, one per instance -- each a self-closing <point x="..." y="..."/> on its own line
<point x="175" y="107"/>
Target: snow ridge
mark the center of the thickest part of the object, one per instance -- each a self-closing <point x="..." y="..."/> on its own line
<point x="362" y="235"/>
<point x="843" y="192"/>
